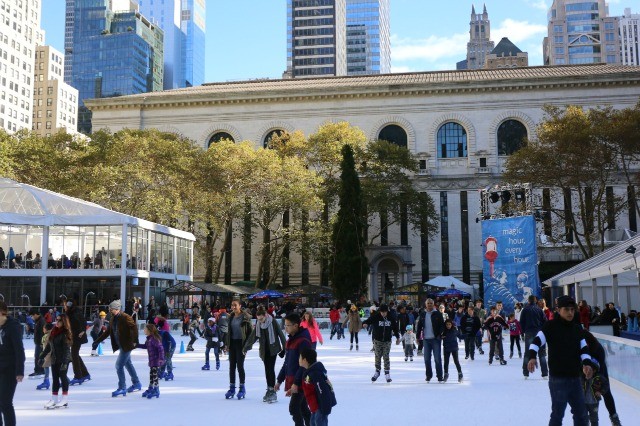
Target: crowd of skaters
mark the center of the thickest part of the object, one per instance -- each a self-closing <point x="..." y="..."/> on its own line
<point x="433" y="330"/>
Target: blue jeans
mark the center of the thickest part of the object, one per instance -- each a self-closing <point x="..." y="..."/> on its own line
<point x="124" y="361"/>
<point x="435" y="346"/>
<point x="319" y="419"/>
<point x="567" y="390"/>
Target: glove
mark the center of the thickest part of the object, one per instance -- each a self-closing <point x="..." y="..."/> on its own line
<point x="40" y="362"/>
<point x="64" y="368"/>
<point x="281" y="353"/>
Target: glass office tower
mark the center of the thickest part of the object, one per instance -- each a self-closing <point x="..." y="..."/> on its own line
<point x="183" y="23"/>
<point x="111" y="54"/>
<point x="368" y="37"/>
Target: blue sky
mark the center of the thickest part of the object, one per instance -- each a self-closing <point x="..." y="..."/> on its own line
<point x="247" y="38"/>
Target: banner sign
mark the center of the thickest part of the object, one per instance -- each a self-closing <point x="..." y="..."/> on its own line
<point x="510" y="270"/>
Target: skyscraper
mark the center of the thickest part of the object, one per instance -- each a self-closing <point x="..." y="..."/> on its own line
<point x="19" y="33"/>
<point x="581" y="32"/>
<point x="111" y="52"/>
<point x="368" y="38"/>
<point x="629" y="33"/>
<point x="183" y="23"/>
<point x="480" y="44"/>
<point x="316" y="38"/>
<point x="55" y="103"/>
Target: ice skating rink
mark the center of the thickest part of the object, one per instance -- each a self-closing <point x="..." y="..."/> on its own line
<point x="488" y="394"/>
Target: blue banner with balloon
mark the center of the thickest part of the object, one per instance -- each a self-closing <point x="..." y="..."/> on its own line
<point x="510" y="266"/>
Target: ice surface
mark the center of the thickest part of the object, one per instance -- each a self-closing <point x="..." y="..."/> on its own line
<point x="488" y="394"/>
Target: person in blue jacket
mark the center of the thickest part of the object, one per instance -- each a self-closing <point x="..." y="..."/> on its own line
<point x="291" y="372"/>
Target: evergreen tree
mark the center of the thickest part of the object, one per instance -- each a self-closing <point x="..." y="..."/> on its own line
<point x="349" y="266"/>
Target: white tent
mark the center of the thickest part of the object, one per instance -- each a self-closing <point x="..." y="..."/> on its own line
<point x="445" y="281"/>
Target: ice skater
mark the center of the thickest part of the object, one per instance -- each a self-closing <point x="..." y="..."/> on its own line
<point x="155" y="351"/>
<point x="495" y="324"/>
<point x="384" y="327"/>
<point x="59" y="346"/>
<point x="450" y="346"/>
<point x="408" y="340"/>
<point x="514" y="334"/>
<point x="169" y="346"/>
<point x="240" y="328"/>
<point x="354" y="324"/>
<point x="46" y="330"/>
<point x="212" y="335"/>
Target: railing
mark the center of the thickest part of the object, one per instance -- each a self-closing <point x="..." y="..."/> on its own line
<point x="622" y="359"/>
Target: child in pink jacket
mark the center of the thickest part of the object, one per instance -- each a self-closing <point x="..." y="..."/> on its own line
<point x="311" y="324"/>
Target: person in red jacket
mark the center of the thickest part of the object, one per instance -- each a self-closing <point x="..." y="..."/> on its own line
<point x="585" y="314"/>
<point x="334" y="317"/>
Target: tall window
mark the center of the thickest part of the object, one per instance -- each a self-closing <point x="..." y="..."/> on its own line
<point x="512" y="136"/>
<point x="452" y="141"/>
<point x="394" y="134"/>
<point x="217" y="137"/>
<point x="267" y="139"/>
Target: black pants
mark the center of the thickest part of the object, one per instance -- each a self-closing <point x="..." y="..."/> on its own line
<point x="469" y="345"/>
<point x="454" y="355"/>
<point x="299" y="409"/>
<point x="495" y="347"/>
<point x="515" y="339"/>
<point x="36" y="357"/>
<point x="8" y="385"/>
<point x="59" y="378"/>
<point x="193" y="338"/>
<point x="354" y="335"/>
<point x="270" y="370"/>
<point x="236" y="360"/>
<point x="79" y="369"/>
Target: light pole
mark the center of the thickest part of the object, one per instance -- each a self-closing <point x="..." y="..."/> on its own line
<point x="28" y="299"/>
<point x="85" y="302"/>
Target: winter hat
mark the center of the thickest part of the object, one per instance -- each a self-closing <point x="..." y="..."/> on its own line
<point x="409" y="327"/>
<point x="69" y="304"/>
<point x="103" y="314"/>
<point x="211" y="319"/>
<point x="566" y="302"/>
<point x="383" y="308"/>
<point x="115" y="305"/>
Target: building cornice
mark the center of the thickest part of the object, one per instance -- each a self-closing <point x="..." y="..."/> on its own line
<point x="368" y="87"/>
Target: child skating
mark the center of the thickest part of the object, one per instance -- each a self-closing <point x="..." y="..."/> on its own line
<point x="408" y="339"/>
<point x="450" y="344"/>
<point x="212" y="336"/>
<point x="495" y="324"/>
<point x="515" y="331"/>
<point x="153" y="345"/>
<point x="59" y="346"/>
<point x="45" y="338"/>
<point x="169" y="346"/>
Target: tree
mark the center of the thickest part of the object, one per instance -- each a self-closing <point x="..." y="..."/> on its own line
<point x="388" y="189"/>
<point x="349" y="265"/>
<point x="570" y="157"/>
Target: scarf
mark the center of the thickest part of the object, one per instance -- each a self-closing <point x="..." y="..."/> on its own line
<point x="266" y="325"/>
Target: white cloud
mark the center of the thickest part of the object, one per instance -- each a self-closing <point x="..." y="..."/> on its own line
<point x="518" y="31"/>
<point x="539" y="4"/>
<point x="430" y="49"/>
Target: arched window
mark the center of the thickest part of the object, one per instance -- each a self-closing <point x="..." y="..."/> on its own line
<point x="452" y="141"/>
<point x="512" y="136"/>
<point x="217" y="137"/>
<point x="267" y="139"/>
<point x="394" y="134"/>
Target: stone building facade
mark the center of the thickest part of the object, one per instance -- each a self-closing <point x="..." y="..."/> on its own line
<point x="452" y="121"/>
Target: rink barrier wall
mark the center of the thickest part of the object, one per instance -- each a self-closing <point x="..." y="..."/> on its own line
<point x="622" y="359"/>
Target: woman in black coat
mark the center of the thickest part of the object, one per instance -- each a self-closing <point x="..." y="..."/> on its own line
<point x="59" y="346"/>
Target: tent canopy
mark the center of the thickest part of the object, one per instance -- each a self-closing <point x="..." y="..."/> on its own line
<point x="23" y="204"/>
<point x="445" y="281"/>
<point x="452" y="292"/>
<point x="267" y="294"/>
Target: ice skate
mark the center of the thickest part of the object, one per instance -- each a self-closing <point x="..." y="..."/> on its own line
<point x="206" y="367"/>
<point x="446" y="377"/>
<point x="231" y="392"/>
<point x="241" y="392"/>
<point x="387" y="376"/>
<point x="153" y="393"/>
<point x="375" y="376"/>
<point x="62" y="403"/>
<point x="459" y="377"/>
<point x="52" y="402"/>
<point x="134" y="387"/>
<point x="44" y="385"/>
<point x="168" y="376"/>
<point x="119" y="392"/>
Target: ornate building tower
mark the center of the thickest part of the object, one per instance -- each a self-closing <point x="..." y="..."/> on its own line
<point x="480" y="44"/>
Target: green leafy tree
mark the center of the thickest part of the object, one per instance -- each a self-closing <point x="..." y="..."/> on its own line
<point x="349" y="265"/>
<point x="570" y="157"/>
